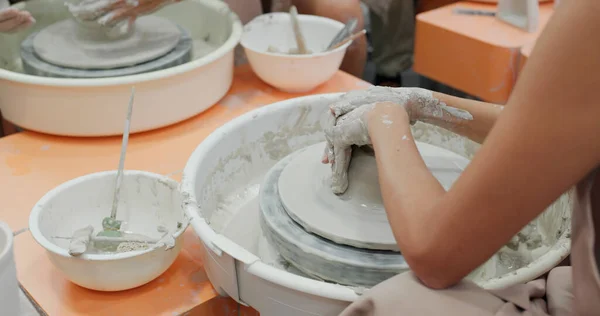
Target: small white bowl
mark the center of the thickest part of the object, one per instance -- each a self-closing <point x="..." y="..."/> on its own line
<point x="288" y="72"/>
<point x="147" y="201"/>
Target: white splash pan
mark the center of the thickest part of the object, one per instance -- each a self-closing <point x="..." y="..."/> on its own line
<point x="221" y="182"/>
<point x="95" y="107"/>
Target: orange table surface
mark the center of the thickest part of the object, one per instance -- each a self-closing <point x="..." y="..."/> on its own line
<point x="476" y="54"/>
<point x="34" y="163"/>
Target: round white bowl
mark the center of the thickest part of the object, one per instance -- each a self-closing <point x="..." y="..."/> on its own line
<point x="96" y="107"/>
<point x="9" y="287"/>
<point x="221" y="182"/>
<point x="147" y="200"/>
<point x="288" y="72"/>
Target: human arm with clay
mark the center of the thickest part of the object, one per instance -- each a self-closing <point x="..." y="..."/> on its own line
<point x="348" y="121"/>
<point x="543" y="142"/>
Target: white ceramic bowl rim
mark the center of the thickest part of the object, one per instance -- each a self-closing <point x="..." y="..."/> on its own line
<point x="301" y="17"/>
<point x="48" y="245"/>
<point x="5" y="229"/>
<point x="230" y="43"/>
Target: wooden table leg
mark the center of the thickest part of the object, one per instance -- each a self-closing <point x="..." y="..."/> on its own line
<point x="8" y="128"/>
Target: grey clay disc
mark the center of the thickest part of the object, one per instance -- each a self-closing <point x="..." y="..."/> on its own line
<point x="314" y="255"/>
<point x="58" y="44"/>
<point x="357" y="217"/>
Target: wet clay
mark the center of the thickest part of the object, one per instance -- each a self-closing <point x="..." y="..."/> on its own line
<point x="315" y="256"/>
<point x="65" y="44"/>
<point x="357" y="217"/>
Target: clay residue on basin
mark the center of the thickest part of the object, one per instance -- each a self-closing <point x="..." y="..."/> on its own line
<point x="228" y="192"/>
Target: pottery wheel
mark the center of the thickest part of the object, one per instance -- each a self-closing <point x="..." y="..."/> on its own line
<point x="316" y="254"/>
<point x="59" y="44"/>
<point x="33" y="65"/>
<point x="357" y="217"/>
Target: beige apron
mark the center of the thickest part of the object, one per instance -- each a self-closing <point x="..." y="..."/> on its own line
<point x="572" y="290"/>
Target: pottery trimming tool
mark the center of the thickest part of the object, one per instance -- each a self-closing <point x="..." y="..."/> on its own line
<point x="111" y="226"/>
<point x="349" y="38"/>
<point x="343" y="33"/>
<point x="297" y="31"/>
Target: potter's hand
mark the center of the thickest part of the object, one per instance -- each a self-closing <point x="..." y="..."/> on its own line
<point x="14" y="20"/>
<point x="356" y="99"/>
<point x="349" y="129"/>
<point x="348" y="117"/>
<point x="114" y="12"/>
<point x="420" y="104"/>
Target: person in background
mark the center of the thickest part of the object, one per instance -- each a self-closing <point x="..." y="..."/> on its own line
<point x="392" y="36"/>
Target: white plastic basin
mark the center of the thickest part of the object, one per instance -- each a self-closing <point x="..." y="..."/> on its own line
<point x="221" y="182"/>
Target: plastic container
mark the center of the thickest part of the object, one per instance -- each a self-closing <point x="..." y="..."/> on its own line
<point x="221" y="182"/>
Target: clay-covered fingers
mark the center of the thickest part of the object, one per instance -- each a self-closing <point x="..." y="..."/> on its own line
<point x="354" y="100"/>
<point x="328" y="152"/>
<point x="344" y="131"/>
<point x="337" y="109"/>
<point x="350" y="129"/>
<point x="13" y="20"/>
<point x="339" y="169"/>
<point x="358" y="98"/>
